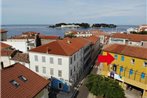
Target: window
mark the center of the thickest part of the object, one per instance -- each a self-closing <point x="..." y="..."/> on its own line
<point x="74" y="57"/>
<point x="51" y="60"/>
<point x="115" y="56"/>
<point x="36" y="69"/>
<point x="59" y="73"/>
<point x="131" y="72"/>
<point x="145" y="64"/>
<point x="74" y="68"/>
<point x="60" y="85"/>
<point x="59" y="61"/>
<point x="121" y="69"/>
<point x="14" y="83"/>
<point x="51" y="71"/>
<point x="36" y="58"/>
<point x="142" y="75"/>
<point x="71" y="60"/>
<point x="133" y="61"/>
<point x="71" y="72"/>
<point x="44" y="70"/>
<point x="122" y="58"/>
<point x="114" y="67"/>
<point x="24" y="79"/>
<point x="43" y="59"/>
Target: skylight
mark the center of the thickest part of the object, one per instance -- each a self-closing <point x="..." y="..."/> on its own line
<point x="24" y="79"/>
<point x="14" y="83"/>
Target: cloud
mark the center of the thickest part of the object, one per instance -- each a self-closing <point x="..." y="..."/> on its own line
<point x="43" y="11"/>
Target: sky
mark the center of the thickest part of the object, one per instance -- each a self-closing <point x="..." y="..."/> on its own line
<point x="122" y="12"/>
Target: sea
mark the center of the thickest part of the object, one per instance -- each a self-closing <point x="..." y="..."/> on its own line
<point x="44" y="29"/>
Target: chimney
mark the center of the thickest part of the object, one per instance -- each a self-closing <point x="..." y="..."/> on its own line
<point x="2" y="65"/>
<point x="47" y="50"/>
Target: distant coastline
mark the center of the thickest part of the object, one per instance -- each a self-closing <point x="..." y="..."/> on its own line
<point x="82" y="25"/>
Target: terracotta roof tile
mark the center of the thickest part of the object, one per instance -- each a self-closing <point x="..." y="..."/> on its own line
<point x="131" y="37"/>
<point x="3" y="45"/>
<point x="22" y="57"/>
<point x="132" y="51"/>
<point x="49" y="37"/>
<point x="28" y="89"/>
<point x="6" y="52"/>
<point x="67" y="46"/>
<point x="93" y="39"/>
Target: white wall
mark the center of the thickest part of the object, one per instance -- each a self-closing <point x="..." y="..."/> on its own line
<point x="64" y="67"/>
<point x="134" y="43"/>
<point x="23" y="63"/>
<point x="117" y="40"/>
<point x="5" y="60"/>
<point x="22" y="46"/>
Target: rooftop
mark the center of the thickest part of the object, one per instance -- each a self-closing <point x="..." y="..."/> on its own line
<point x="20" y="82"/>
<point x="3" y="31"/>
<point x="3" y="45"/>
<point x="22" y="57"/>
<point x="93" y="39"/>
<point x="49" y="37"/>
<point x="131" y="37"/>
<point x="31" y="35"/>
<point x="5" y="52"/>
<point x="132" y="51"/>
<point x="67" y="46"/>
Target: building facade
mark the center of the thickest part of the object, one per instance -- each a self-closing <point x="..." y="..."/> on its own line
<point x="63" y="59"/>
<point x="129" y="66"/>
<point x="129" y="39"/>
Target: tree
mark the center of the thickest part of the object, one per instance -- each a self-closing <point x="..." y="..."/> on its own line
<point x="103" y="86"/>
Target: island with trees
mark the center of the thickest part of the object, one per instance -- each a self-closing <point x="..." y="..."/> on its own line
<point x="103" y="25"/>
<point x="82" y="25"/>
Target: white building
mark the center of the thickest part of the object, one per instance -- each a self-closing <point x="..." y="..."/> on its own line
<point x="83" y="34"/>
<point x="10" y="56"/>
<point x="142" y="28"/>
<point x="63" y="59"/>
<point x="28" y="40"/>
<point x="19" y="45"/>
<point x="129" y="39"/>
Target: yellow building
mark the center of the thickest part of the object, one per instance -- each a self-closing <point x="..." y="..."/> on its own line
<point x="129" y="66"/>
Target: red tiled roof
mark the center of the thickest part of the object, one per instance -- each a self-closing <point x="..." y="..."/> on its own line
<point x="98" y="32"/>
<point x="30" y="33"/>
<point x="26" y="35"/>
<point x="6" y="52"/>
<point x="67" y="46"/>
<point x="3" y="31"/>
<point x="132" y="51"/>
<point x="28" y="89"/>
<point x="3" y="45"/>
<point x="93" y="39"/>
<point x="49" y="37"/>
<point x="131" y="37"/>
<point x="22" y="57"/>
